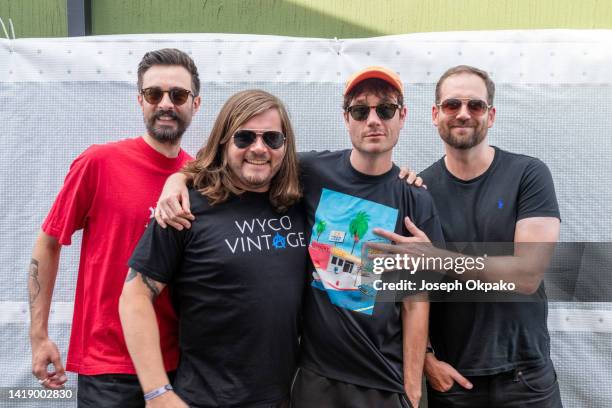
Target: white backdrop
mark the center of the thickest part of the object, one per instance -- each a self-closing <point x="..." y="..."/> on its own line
<point x="554" y="101"/>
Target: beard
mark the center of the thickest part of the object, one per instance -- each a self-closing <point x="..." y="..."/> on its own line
<point x="255" y="182"/>
<point x="464" y="142"/>
<point x="165" y="134"/>
<point x="248" y="178"/>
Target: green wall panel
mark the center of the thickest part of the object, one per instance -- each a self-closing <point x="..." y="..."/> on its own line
<point x="343" y="18"/>
<point x="308" y="18"/>
<point x="35" y="18"/>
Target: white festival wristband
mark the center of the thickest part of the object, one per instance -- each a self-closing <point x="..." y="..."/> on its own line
<point x="157" y="392"/>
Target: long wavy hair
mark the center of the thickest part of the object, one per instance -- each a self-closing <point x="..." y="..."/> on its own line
<point x="210" y="173"/>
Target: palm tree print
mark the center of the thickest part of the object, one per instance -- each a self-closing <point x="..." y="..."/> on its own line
<point x="320" y="228"/>
<point x="358" y="227"/>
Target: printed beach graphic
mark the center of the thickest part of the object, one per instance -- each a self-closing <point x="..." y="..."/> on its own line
<point x="342" y="224"/>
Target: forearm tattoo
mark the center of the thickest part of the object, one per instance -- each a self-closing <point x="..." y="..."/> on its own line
<point x="34" y="287"/>
<point x="151" y="285"/>
<point x="131" y="275"/>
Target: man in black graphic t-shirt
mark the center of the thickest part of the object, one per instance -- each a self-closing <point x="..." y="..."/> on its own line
<point x="236" y="276"/>
<point x="490" y="354"/>
<point x="358" y="350"/>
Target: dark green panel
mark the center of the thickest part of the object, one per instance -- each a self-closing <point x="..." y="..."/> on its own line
<point x="308" y="18"/>
<point x="343" y="18"/>
<point x="221" y="16"/>
<point x="35" y="18"/>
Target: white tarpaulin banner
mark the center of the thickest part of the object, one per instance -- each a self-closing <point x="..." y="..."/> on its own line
<point x="553" y="100"/>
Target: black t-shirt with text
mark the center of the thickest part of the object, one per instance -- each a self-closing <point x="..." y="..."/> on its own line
<point x="488" y="338"/>
<point x="349" y="334"/>
<point x="237" y="279"/>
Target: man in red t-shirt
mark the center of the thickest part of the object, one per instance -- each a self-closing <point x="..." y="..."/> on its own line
<point x="110" y="192"/>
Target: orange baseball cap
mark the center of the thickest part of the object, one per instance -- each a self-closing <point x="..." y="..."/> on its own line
<point x="374" y="72"/>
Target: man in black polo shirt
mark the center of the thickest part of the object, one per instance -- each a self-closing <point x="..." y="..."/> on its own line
<point x="490" y="354"/>
<point x="236" y="276"/>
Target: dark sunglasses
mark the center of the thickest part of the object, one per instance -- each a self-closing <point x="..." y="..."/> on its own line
<point x="385" y="111"/>
<point x="245" y="137"/>
<point x="154" y="95"/>
<point x="452" y="106"/>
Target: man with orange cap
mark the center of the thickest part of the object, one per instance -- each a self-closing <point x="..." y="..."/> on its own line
<point x="359" y="350"/>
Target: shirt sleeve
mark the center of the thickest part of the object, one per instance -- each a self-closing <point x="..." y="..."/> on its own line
<point x="537" y="196"/>
<point x="306" y="161"/>
<point x="426" y="217"/>
<point x="433" y="229"/>
<point x="159" y="252"/>
<point x="73" y="203"/>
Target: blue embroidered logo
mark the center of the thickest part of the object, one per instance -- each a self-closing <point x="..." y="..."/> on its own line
<point x="279" y="241"/>
<point x="500" y="203"/>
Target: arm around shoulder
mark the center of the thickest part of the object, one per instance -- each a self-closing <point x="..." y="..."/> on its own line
<point x="173" y="205"/>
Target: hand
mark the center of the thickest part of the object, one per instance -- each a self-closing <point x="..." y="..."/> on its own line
<point x="167" y="400"/>
<point x="442" y="376"/>
<point x="411" y="177"/>
<point x="417" y="234"/>
<point x="45" y="352"/>
<point x="417" y="245"/>
<point x="173" y="207"/>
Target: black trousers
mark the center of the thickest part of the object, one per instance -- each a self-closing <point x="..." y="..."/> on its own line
<point x="111" y="391"/>
<point x="311" y="390"/>
<point x="533" y="387"/>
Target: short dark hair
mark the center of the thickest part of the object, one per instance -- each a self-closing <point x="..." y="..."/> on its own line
<point x="376" y="86"/>
<point x="466" y="69"/>
<point x="169" y="56"/>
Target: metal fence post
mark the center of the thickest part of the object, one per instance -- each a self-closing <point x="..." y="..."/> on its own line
<point x="79" y="17"/>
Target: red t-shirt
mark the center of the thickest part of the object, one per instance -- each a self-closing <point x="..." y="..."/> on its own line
<point x="110" y="192"/>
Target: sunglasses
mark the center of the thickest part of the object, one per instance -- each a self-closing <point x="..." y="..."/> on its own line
<point x="452" y="106"/>
<point x="245" y="137"/>
<point x="154" y="95"/>
<point x="385" y="111"/>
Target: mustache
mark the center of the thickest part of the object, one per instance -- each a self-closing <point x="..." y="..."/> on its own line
<point x="462" y="123"/>
<point x="258" y="157"/>
<point x="172" y="114"/>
